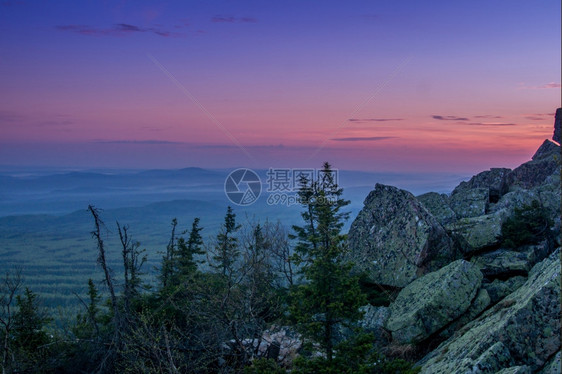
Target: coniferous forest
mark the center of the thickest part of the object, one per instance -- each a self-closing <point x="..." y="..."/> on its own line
<point x="246" y="302"/>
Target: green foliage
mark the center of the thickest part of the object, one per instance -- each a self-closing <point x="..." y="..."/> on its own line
<point x="354" y="356"/>
<point x="29" y="338"/>
<point x="528" y="225"/>
<point x="186" y="263"/>
<point x="29" y="322"/>
<point x="329" y="296"/>
<point x="377" y="295"/>
<point x="226" y="250"/>
<point x="264" y="366"/>
<point x="87" y="326"/>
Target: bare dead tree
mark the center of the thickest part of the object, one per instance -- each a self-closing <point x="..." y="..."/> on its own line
<point x="167" y="262"/>
<point x="132" y="263"/>
<point x="281" y="252"/>
<point x="117" y="320"/>
<point x="96" y="234"/>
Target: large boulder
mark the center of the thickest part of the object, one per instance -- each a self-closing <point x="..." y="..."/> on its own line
<point x="373" y="321"/>
<point x="516" y="370"/>
<point x="477" y="233"/>
<point x="547" y="149"/>
<point x="522" y="329"/>
<point x="557" y="119"/>
<point x="433" y="301"/>
<point x="493" y="180"/>
<point x="498" y="289"/>
<point x="553" y="366"/>
<point x="437" y="204"/>
<point x="480" y="303"/>
<point x="395" y="240"/>
<point x="515" y="199"/>
<point x="470" y="202"/>
<point x="504" y="263"/>
<point x="535" y="172"/>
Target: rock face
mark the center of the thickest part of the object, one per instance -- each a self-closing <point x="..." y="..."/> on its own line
<point x="535" y="172"/>
<point x="516" y="370"/>
<point x="553" y="366"/>
<point x="373" y="322"/>
<point x="438" y="206"/>
<point x="515" y="199"/>
<point x="433" y="301"/>
<point x="503" y="262"/>
<point x="547" y="149"/>
<point x="499" y="289"/>
<point x="471" y="202"/>
<point x="395" y="240"/>
<point x="495" y="311"/>
<point x="523" y="329"/>
<point x="557" y="119"/>
<point x="477" y="233"/>
<point x="480" y="303"/>
<point x="494" y="180"/>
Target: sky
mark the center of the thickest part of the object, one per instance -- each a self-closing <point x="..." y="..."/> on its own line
<point x="440" y="86"/>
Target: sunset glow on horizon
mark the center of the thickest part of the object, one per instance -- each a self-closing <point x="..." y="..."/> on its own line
<point x="380" y="86"/>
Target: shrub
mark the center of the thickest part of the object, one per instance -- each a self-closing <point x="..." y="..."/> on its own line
<point x="528" y="225"/>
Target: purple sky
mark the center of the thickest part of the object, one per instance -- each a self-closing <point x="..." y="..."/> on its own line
<point x="370" y="85"/>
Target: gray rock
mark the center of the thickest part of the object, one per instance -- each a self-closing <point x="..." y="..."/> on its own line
<point x="535" y="172"/>
<point x="395" y="240"/>
<point x="557" y="119"/>
<point x="515" y="199"/>
<point x="523" y="329"/>
<point x="516" y="370"/>
<point x="547" y="149"/>
<point x="499" y="289"/>
<point x="476" y="233"/>
<point x="503" y="262"/>
<point x="553" y="366"/>
<point x="480" y="303"/>
<point x="470" y="202"/>
<point x="494" y="358"/>
<point x="433" y="301"/>
<point x="438" y="206"/>
<point x="549" y="194"/>
<point x="373" y="321"/>
<point x="494" y="180"/>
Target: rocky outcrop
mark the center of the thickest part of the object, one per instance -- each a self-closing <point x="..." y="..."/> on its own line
<point x="503" y="262"/>
<point x="480" y="303"/>
<point x="373" y="322"/>
<point x="516" y="370"/>
<point x="557" y="119"/>
<point x="553" y="366"/>
<point x="433" y="301"/>
<point x="535" y="172"/>
<point x="521" y="330"/>
<point x="477" y="233"/>
<point x="471" y="202"/>
<point x="547" y="149"/>
<point x="498" y="289"/>
<point x="395" y="240"/>
<point x="438" y="205"/>
<point x="514" y="199"/>
<point x="495" y="311"/>
<point x="494" y="180"/>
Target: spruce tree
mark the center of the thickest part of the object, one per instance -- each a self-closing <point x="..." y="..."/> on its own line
<point x="329" y="296"/>
<point x="226" y="249"/>
<point x="185" y="265"/>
